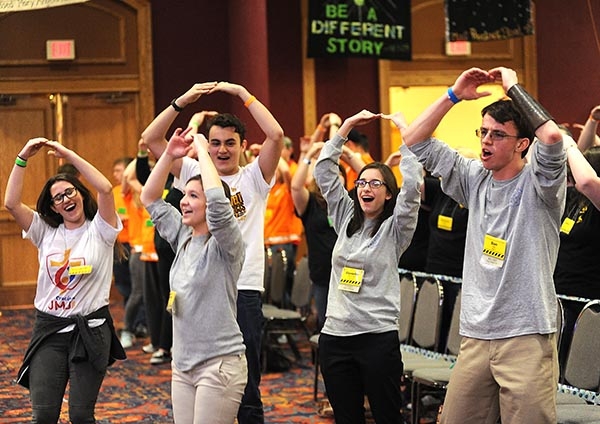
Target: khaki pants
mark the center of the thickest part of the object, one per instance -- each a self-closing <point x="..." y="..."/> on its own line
<point x="211" y="392"/>
<point x="515" y="378"/>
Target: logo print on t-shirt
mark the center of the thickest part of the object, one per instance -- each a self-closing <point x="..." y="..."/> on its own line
<point x="237" y="203"/>
<point x="57" y="267"/>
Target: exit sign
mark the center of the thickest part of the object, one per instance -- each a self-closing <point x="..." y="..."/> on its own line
<point x="458" y="48"/>
<point x="60" y="49"/>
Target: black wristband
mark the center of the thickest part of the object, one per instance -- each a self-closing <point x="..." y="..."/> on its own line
<point x="175" y="105"/>
<point x="533" y="112"/>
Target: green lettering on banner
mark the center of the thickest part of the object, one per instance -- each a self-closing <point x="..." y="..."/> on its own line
<point x="360" y="28"/>
<point x="343" y="45"/>
<point x="372" y="14"/>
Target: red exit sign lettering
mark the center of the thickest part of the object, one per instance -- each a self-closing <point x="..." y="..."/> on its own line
<point x="60" y="49"/>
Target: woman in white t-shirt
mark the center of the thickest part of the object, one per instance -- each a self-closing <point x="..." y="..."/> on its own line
<point x="73" y="339"/>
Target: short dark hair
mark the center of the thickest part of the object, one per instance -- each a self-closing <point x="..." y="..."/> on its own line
<point x="44" y="201"/>
<point x="68" y="168"/>
<point x="504" y="111"/>
<point x="225" y="120"/>
<point x="391" y="186"/>
<point x="359" y="138"/>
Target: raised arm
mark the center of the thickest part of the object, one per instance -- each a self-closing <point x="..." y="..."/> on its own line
<point x="178" y="146"/>
<point x="22" y="213"/>
<point x="155" y="134"/>
<point x="586" y="178"/>
<point x="464" y="88"/>
<point x="300" y="194"/>
<point x="102" y="185"/>
<point x="210" y="175"/>
<point x="270" y="151"/>
<point x="587" y="137"/>
<point x="546" y="130"/>
<point x="198" y="119"/>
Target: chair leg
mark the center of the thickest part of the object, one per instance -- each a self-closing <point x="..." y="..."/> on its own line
<point x="415" y="399"/>
<point x="316" y="382"/>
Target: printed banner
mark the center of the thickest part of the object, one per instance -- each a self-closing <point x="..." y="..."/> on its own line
<point x="17" y="5"/>
<point x="359" y="28"/>
<point x="487" y="20"/>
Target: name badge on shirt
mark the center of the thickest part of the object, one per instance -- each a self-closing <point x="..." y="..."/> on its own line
<point x="351" y="279"/>
<point x="80" y="269"/>
<point x="567" y="226"/>
<point x="171" y="303"/>
<point x="494" y="250"/>
<point x="444" y="222"/>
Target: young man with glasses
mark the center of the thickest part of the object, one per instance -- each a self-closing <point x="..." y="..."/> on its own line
<point x="508" y="358"/>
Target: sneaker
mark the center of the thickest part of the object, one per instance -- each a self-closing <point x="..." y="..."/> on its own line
<point x="127" y="339"/>
<point x="141" y="331"/>
<point x="160" y="357"/>
<point x="149" y="348"/>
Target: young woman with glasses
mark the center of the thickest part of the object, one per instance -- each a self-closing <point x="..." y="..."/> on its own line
<point x="359" y="347"/>
<point x="73" y="338"/>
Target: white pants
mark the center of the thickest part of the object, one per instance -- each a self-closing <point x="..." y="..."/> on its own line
<point x="211" y="392"/>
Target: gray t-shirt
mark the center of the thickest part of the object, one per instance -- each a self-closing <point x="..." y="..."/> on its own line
<point x="509" y="291"/>
<point x="203" y="276"/>
<point x="375" y="308"/>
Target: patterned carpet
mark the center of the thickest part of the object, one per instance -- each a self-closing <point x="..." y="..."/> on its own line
<point x="136" y="392"/>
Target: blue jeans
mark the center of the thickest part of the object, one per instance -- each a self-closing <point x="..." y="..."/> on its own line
<point x="51" y="369"/>
<point x="251" y="321"/>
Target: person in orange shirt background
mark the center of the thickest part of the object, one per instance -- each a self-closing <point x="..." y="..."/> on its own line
<point x="283" y="229"/>
<point x="121" y="276"/>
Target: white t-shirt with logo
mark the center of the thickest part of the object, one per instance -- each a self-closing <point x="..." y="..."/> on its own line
<point x="249" y="192"/>
<point x="75" y="266"/>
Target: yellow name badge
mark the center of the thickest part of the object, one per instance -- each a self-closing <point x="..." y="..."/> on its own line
<point x="494" y="251"/>
<point x="444" y="222"/>
<point x="567" y="226"/>
<point x="79" y="270"/>
<point x="171" y="303"/>
<point x="351" y="279"/>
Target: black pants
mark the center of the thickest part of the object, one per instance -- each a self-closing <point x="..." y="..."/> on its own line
<point x="51" y="369"/>
<point x="355" y="366"/>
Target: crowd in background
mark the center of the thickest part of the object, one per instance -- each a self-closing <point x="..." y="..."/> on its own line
<point x="461" y="214"/>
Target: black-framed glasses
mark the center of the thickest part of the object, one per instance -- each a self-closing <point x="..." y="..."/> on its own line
<point x="374" y="184"/>
<point x="495" y="135"/>
<point x="60" y="197"/>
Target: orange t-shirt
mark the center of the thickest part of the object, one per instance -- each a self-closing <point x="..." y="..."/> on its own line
<point x="351" y="174"/>
<point x="281" y="223"/>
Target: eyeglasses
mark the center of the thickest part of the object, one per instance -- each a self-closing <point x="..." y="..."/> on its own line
<point x="495" y="135"/>
<point x="60" y="197"/>
<point x="374" y="184"/>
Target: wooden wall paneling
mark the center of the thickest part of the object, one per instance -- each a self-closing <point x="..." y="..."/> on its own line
<point x="30" y="116"/>
<point x="109" y="97"/>
<point x="101" y="127"/>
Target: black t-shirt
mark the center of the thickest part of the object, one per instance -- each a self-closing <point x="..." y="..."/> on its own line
<point x="577" y="271"/>
<point x="447" y="234"/>
<point x="320" y="239"/>
<point x="415" y="255"/>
